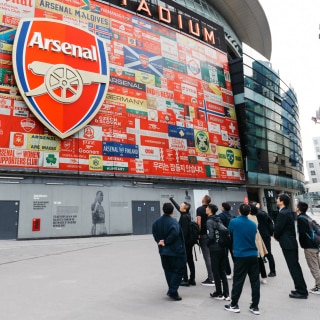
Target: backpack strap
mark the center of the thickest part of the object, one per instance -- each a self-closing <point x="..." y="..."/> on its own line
<point x="309" y="221"/>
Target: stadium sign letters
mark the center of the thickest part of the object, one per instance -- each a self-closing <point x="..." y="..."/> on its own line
<point x="164" y="15"/>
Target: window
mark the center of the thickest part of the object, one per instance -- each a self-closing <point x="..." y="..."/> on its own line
<point x="311" y="165"/>
<point x="313" y="173"/>
<point x="314" y="180"/>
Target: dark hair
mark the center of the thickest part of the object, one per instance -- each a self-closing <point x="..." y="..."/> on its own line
<point x="253" y="209"/>
<point x="302" y="206"/>
<point x="167" y="208"/>
<point x="226" y="206"/>
<point x="213" y="208"/>
<point x="207" y="199"/>
<point x="284" y="198"/>
<point x="244" y="209"/>
<point x="187" y="206"/>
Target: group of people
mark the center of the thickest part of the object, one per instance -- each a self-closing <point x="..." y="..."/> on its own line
<point x="250" y="248"/>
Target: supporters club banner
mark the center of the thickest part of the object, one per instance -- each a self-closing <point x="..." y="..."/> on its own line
<point x="146" y="100"/>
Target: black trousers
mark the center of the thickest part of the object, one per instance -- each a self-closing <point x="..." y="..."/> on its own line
<point x="262" y="268"/>
<point x="243" y="267"/>
<point x="218" y="264"/>
<point x="173" y="269"/>
<point x="190" y="264"/>
<point x="292" y="260"/>
<point x="228" y="266"/>
<point x="267" y="242"/>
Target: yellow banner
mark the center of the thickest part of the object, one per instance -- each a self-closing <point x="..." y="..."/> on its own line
<point x="42" y="142"/>
<point x="95" y="163"/>
<point x="133" y="105"/>
<point x="146" y="78"/>
<point x="229" y="157"/>
<point x="201" y="139"/>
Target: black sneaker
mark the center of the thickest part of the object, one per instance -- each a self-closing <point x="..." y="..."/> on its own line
<point x="272" y="274"/>
<point x="254" y="310"/>
<point x="230" y="307"/>
<point x="192" y="282"/>
<point x="214" y="295"/>
<point x="184" y="283"/>
<point x="207" y="282"/>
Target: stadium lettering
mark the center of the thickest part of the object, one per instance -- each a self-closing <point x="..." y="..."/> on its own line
<point x="164" y="15"/>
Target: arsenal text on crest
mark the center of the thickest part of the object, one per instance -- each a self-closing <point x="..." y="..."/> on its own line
<point x="64" y="47"/>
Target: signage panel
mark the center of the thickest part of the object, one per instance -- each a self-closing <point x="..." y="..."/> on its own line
<point x="165" y="110"/>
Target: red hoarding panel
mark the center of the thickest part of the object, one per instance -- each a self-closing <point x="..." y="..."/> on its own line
<point x="168" y="109"/>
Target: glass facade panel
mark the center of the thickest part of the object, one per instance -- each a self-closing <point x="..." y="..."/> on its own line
<point x="272" y="125"/>
<point x="263" y="179"/>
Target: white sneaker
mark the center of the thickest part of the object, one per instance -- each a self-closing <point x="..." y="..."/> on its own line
<point x="264" y="281"/>
<point x="227" y="298"/>
<point x="232" y="308"/>
<point x="254" y="310"/>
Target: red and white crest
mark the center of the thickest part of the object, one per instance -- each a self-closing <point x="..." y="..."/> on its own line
<point x="62" y="73"/>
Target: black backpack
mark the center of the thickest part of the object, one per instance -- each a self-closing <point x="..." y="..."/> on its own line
<point x="222" y="235"/>
<point x="314" y="228"/>
<point x="193" y="234"/>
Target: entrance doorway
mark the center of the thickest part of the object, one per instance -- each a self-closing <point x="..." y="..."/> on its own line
<point x="144" y="213"/>
<point x="9" y="216"/>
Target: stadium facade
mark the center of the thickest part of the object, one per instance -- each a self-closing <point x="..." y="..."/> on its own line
<point x="109" y="108"/>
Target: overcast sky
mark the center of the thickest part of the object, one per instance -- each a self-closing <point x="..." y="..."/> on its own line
<point x="296" y="54"/>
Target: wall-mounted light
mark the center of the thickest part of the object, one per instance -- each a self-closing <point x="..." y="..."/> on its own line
<point x="95" y="184"/>
<point x="145" y="183"/>
<point x="10" y="182"/>
<point x="54" y="183"/>
<point x="12" y="178"/>
<point x="141" y="183"/>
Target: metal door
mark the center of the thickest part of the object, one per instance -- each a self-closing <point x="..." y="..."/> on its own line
<point x="9" y="215"/>
<point x="144" y="213"/>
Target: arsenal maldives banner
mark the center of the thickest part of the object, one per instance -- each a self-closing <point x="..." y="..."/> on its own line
<point x="94" y="89"/>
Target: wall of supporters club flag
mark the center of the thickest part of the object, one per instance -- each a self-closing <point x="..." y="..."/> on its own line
<point x="169" y="111"/>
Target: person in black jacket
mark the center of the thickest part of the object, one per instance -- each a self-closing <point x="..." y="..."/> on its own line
<point x="285" y="233"/>
<point x="217" y="255"/>
<point x="225" y="217"/>
<point x="184" y="221"/>
<point x="168" y="235"/>
<point x="262" y="217"/>
<point x="203" y="239"/>
<point x="311" y="250"/>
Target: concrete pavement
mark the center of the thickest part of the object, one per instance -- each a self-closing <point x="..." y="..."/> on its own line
<point x="121" y="278"/>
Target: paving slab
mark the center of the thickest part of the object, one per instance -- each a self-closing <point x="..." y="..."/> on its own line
<point x="121" y="278"/>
